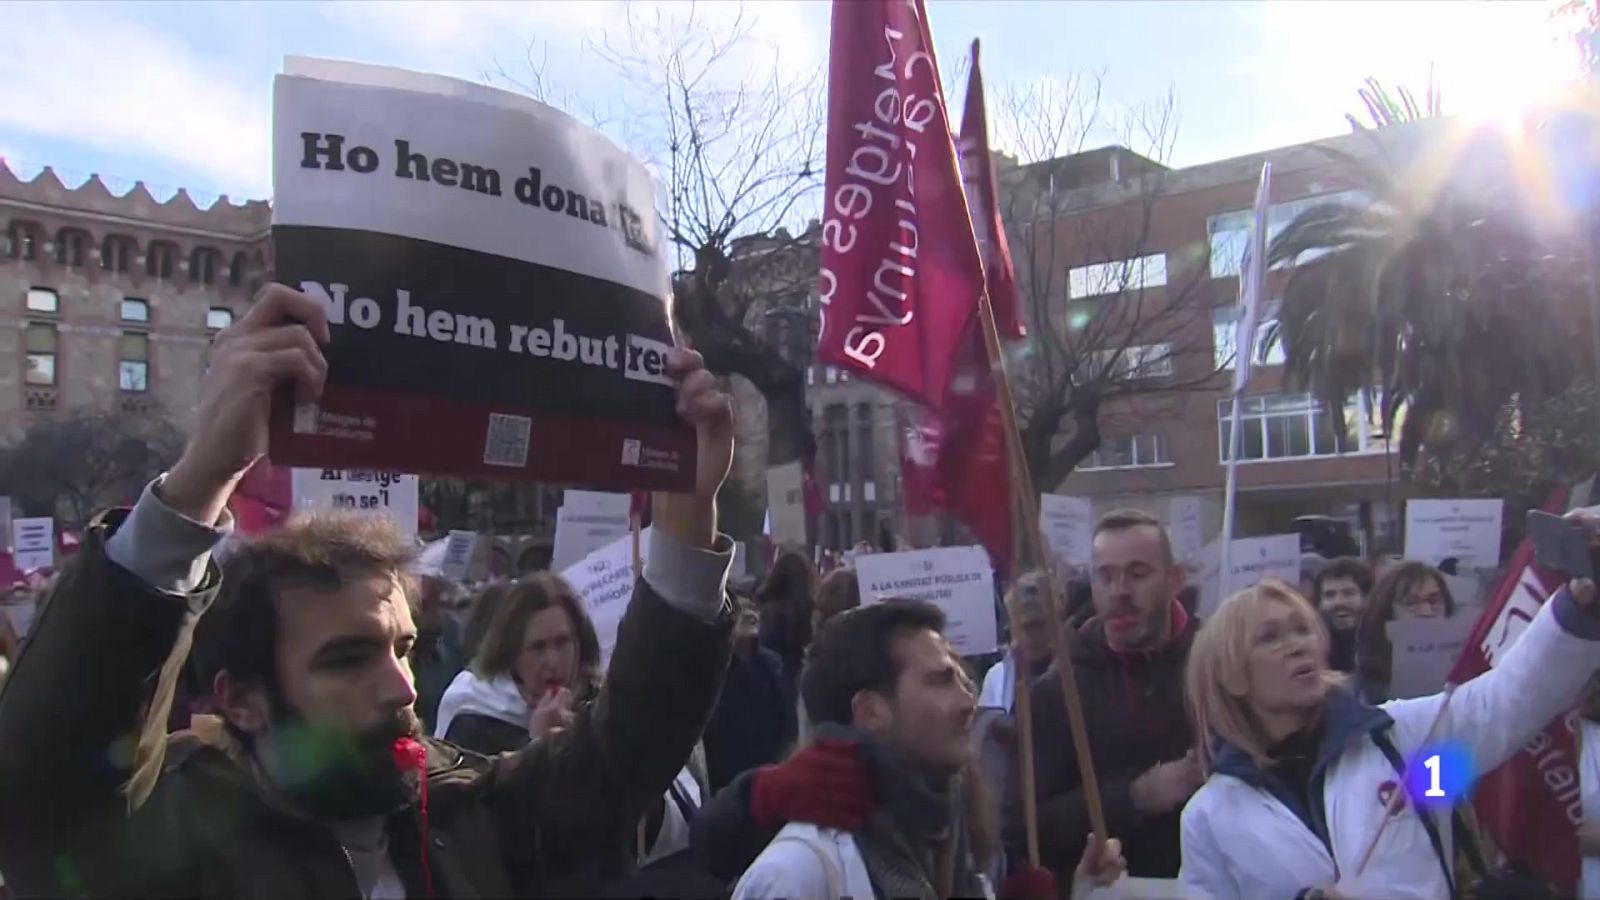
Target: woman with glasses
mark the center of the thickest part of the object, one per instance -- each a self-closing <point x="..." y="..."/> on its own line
<point x="1407" y="590"/>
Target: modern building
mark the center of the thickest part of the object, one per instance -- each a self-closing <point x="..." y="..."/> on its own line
<point x="110" y="300"/>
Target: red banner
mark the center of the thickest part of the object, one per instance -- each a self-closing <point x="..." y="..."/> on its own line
<point x="900" y="274"/>
<point x="1530" y="805"/>
<point x="978" y="176"/>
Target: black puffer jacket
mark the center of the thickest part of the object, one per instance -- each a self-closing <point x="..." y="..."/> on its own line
<point x="1133" y="706"/>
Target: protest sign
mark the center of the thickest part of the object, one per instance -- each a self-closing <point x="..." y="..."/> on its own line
<point x="604" y="579"/>
<point x="1249" y="561"/>
<point x="1467" y="531"/>
<point x="958" y="580"/>
<point x="1184" y="524"/>
<point x="389" y="494"/>
<point x="587" y="521"/>
<point x="786" y="505"/>
<point x="1424" y="651"/>
<point x="494" y="278"/>
<point x="34" y="543"/>
<point x="1068" y="524"/>
<point x="457" y="555"/>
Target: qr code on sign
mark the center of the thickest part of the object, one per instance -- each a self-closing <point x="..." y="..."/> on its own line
<point x="507" y="443"/>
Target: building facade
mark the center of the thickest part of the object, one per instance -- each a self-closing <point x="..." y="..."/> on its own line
<point x="110" y="301"/>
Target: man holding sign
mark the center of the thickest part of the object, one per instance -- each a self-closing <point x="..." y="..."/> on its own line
<point x="315" y="781"/>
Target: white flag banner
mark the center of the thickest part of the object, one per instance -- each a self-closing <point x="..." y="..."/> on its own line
<point x="1252" y="280"/>
<point x="389" y="494"/>
<point x="586" y="522"/>
<point x="34" y="543"/>
<point x="786" y="505"/>
<point x="1467" y="531"/>
<point x="1068" y="524"/>
<point x="958" y="580"/>
<point x="604" y="579"/>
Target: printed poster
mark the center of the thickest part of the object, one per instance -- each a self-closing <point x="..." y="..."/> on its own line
<point x="390" y="494"/>
<point x="958" y="580"/>
<point x="495" y="281"/>
<point x="1068" y="524"/>
<point x="1467" y="531"/>
<point x="604" y="579"/>
<point x="587" y="521"/>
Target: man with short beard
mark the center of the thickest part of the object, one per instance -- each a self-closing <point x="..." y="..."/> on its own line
<point x="314" y="782"/>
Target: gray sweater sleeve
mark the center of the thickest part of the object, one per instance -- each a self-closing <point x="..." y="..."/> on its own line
<point x="164" y="548"/>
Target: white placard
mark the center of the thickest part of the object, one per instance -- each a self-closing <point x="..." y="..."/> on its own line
<point x="390" y="494"/>
<point x="1184" y="526"/>
<point x="1424" y="650"/>
<point x="786" y="505"/>
<point x="34" y="543"/>
<point x="1068" y="524"/>
<point x="958" y="580"/>
<point x="1465" y="530"/>
<point x="1249" y="561"/>
<point x="586" y="522"/>
<point x="604" y="579"/>
<point x="457" y="555"/>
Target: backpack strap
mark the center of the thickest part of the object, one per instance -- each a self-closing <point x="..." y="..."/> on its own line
<point x="1381" y="738"/>
<point x="829" y="869"/>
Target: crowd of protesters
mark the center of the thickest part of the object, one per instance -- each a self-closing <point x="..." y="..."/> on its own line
<point x="302" y="716"/>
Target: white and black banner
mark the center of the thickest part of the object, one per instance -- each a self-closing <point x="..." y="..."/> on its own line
<point x="495" y="280"/>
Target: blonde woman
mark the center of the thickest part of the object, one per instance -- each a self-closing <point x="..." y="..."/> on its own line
<point x="1300" y="771"/>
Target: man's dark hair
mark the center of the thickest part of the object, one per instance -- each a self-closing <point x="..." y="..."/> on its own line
<point x="323" y="552"/>
<point x="1124" y="519"/>
<point x="1345" y="567"/>
<point x="854" y="652"/>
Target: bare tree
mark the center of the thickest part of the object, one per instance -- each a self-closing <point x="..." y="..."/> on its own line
<point x="1115" y="324"/>
<point x="736" y="143"/>
<point x="87" y="459"/>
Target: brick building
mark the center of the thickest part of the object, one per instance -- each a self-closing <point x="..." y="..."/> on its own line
<point x="111" y="300"/>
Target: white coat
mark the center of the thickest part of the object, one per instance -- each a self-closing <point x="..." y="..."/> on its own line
<point x="805" y="862"/>
<point x="1239" y="841"/>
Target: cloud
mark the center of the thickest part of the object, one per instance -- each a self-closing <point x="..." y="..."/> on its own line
<point x="124" y="88"/>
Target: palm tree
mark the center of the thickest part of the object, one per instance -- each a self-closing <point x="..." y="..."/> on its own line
<point x="1452" y="288"/>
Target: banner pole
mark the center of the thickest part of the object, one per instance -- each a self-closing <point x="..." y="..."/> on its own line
<point x="1024" y="705"/>
<point x="1230" y="493"/>
<point x="1022" y="484"/>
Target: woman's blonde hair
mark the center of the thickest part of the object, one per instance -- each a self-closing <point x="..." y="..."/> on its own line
<point x="1218" y="676"/>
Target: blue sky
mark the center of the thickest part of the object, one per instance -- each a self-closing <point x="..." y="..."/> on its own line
<point x="178" y="94"/>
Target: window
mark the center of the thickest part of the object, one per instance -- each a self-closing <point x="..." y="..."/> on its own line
<point x="811" y="376"/>
<point x="869" y="492"/>
<point x="22" y="240"/>
<point x="133" y="363"/>
<point x="1129" y="452"/>
<point x="135" y="310"/>
<point x="1114" y="277"/>
<point x="41" y="344"/>
<point x="833" y="375"/>
<point x="203" y="266"/>
<point x="1230" y="231"/>
<point x="115" y="251"/>
<point x="69" y="247"/>
<point x="158" y="259"/>
<point x="836" y="442"/>
<point x="218" y="318"/>
<point x="236" y="269"/>
<point x="1138" y="361"/>
<point x="43" y="300"/>
<point x="1225" y="328"/>
<point x="864" y="439"/>
<point x="1294" y="426"/>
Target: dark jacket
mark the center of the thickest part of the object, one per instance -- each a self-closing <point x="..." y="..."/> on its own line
<point x="522" y="823"/>
<point x="754" y="722"/>
<point x="1134" y="711"/>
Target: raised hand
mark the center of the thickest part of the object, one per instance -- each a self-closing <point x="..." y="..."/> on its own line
<point x="692" y="518"/>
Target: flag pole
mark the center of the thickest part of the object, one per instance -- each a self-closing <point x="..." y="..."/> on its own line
<point x="1229" y="493"/>
<point x="1023" y="491"/>
<point x="1024" y="703"/>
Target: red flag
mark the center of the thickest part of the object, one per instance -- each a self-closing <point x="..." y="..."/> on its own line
<point x="1532" y="815"/>
<point x="900" y="270"/>
<point x="983" y="204"/>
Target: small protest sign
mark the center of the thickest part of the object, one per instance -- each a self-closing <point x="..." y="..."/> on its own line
<point x="1249" y="561"/>
<point x="1068" y="524"/>
<point x="786" y="505"/>
<point x="494" y="278"/>
<point x="1185" y="525"/>
<point x="34" y="543"/>
<point x="390" y="494"/>
<point x="587" y="521"/>
<point x="1423" y="652"/>
<point x="1467" y="531"/>
<point x="604" y="579"/>
<point x="457" y="555"/>
<point x="958" y="580"/>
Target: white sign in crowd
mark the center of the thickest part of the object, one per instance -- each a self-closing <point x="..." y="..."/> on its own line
<point x="1423" y="652"/>
<point x="604" y="579"/>
<point x="586" y="522"/>
<point x="1467" y="531"/>
<point x="34" y="543"/>
<point x="1068" y="524"/>
<point x="390" y="494"/>
<point x="958" y="580"/>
